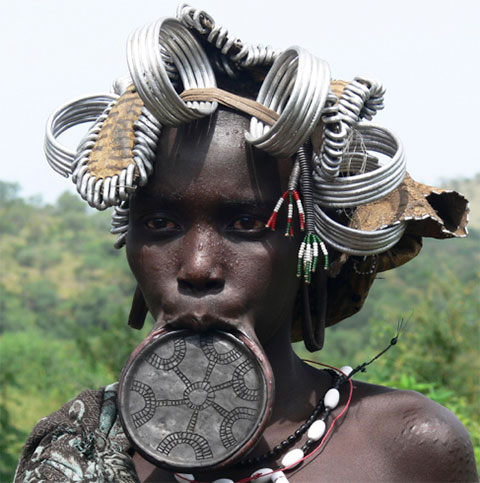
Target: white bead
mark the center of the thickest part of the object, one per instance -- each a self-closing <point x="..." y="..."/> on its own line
<point x="292" y="457"/>
<point x="188" y="476"/>
<point x="279" y="476"/>
<point x="223" y="480"/>
<point x="316" y="430"/>
<point x="346" y="370"/>
<point x="331" y="398"/>
<point x="262" y="479"/>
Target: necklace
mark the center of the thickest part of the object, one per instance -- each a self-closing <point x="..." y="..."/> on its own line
<point x="314" y="426"/>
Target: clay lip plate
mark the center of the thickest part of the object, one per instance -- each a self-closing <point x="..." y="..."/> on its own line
<point x="191" y="401"/>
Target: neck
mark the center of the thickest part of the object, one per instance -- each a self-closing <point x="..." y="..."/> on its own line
<point x="298" y="386"/>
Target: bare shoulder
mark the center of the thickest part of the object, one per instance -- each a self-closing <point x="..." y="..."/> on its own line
<point x="422" y="440"/>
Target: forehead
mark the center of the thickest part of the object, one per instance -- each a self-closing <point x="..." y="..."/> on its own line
<point x="211" y="157"/>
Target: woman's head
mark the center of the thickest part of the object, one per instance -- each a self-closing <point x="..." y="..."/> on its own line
<point x="197" y="241"/>
<point x="357" y="199"/>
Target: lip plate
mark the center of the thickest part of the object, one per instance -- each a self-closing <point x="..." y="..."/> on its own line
<point x="174" y="422"/>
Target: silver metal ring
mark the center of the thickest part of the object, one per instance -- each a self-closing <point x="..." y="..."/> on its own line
<point x="296" y="87"/>
<point x="149" y="48"/>
<point x="78" y="111"/>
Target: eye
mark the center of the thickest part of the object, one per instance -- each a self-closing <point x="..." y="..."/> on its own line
<point x="248" y="223"/>
<point x="159" y="223"/>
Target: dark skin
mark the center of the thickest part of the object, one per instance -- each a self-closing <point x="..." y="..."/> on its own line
<point x="203" y="259"/>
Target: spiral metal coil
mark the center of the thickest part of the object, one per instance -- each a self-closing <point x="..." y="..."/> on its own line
<point x="78" y="111"/>
<point x="241" y="54"/>
<point x="100" y="193"/>
<point x="356" y="242"/>
<point x="372" y="181"/>
<point x="149" y="70"/>
<point x="361" y="99"/>
<point x="119" y="224"/>
<point x="296" y="87"/>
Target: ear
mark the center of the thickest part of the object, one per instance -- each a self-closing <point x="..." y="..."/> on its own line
<point x="138" y="311"/>
<point x="314" y="309"/>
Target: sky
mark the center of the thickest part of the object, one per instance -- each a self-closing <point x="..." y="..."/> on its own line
<point x="425" y="52"/>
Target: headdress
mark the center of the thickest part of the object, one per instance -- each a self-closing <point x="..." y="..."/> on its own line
<point x="361" y="212"/>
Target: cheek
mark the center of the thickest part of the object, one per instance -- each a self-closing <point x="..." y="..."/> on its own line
<point x="151" y="266"/>
<point x="267" y="277"/>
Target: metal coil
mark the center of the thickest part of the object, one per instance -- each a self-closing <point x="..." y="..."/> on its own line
<point x="120" y="219"/>
<point x="361" y="99"/>
<point x="356" y="242"/>
<point x="101" y="193"/>
<point x="296" y="87"/>
<point x="148" y="68"/>
<point x="241" y="54"/>
<point x="78" y="111"/>
<point x="374" y="180"/>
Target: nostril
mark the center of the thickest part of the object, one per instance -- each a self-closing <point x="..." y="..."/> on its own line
<point x="200" y="288"/>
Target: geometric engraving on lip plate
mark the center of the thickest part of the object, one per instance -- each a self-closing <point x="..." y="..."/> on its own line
<point x="206" y="343"/>
<point x="239" y="386"/>
<point x="199" y="395"/>
<point x="179" y="351"/>
<point x="195" y="441"/>
<point x="144" y="415"/>
<point x="226" y="428"/>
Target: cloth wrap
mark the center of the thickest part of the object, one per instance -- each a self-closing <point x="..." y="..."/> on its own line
<point x="82" y="441"/>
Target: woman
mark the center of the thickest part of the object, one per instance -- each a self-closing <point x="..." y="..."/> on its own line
<point x="215" y="393"/>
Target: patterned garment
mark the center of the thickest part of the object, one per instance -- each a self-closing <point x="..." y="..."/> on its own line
<point x="82" y="441"/>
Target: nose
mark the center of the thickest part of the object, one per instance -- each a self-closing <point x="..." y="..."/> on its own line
<point x="202" y="270"/>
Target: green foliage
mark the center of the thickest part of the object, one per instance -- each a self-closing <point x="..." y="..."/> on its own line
<point x="65" y="294"/>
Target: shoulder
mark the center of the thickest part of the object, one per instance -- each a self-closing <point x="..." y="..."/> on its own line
<point x="422" y="440"/>
<point x="68" y="444"/>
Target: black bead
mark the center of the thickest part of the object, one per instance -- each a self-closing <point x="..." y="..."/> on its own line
<point x="277" y="448"/>
<point x="291" y="439"/>
<point x="303" y="428"/>
<point x="285" y="443"/>
<point x="298" y="433"/>
<point x="271" y="453"/>
<point x="306" y="446"/>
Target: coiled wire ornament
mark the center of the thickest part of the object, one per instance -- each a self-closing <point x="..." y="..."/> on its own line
<point x="149" y="72"/>
<point x="360" y="99"/>
<point x="371" y="180"/>
<point x="237" y="53"/>
<point x="296" y="87"/>
<point x="103" y="191"/>
<point x="79" y="111"/>
<point x="119" y="224"/>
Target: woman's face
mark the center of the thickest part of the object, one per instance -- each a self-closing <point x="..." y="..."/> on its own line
<point x="197" y="242"/>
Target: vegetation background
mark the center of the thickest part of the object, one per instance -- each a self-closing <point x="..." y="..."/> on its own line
<point x="65" y="293"/>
